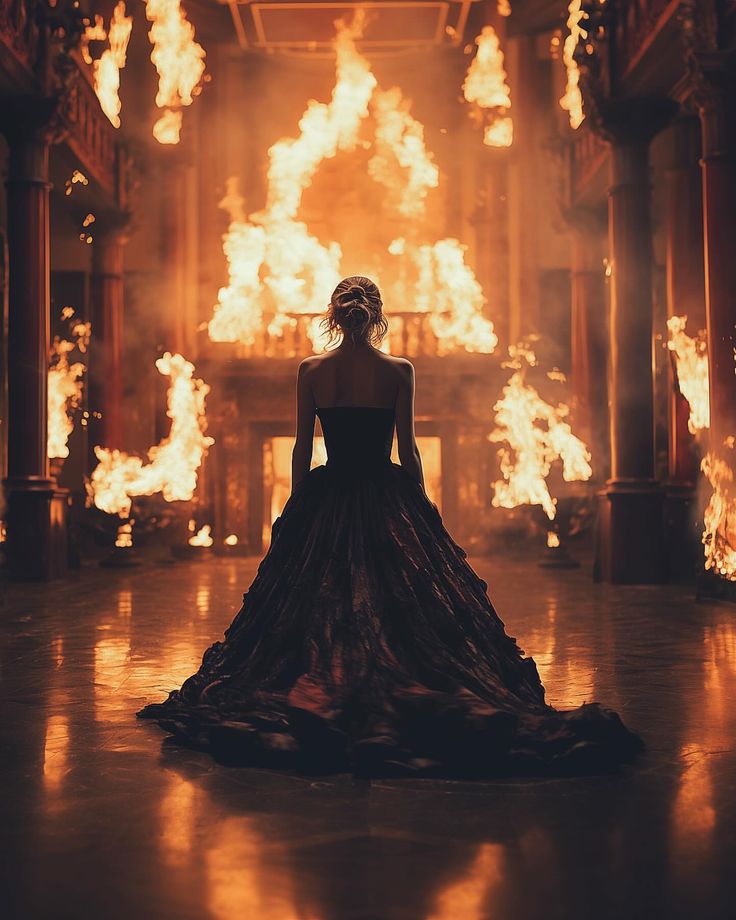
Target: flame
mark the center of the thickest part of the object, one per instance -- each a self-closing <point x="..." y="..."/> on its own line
<point x="503" y="7"/>
<point x="3" y="532"/>
<point x="231" y="540"/>
<point x="399" y="140"/>
<point x="94" y="32"/>
<point x="124" y="538"/>
<point x="572" y="101"/>
<point x="65" y="387"/>
<point x="295" y="265"/>
<point x="107" y="68"/>
<point x="276" y="268"/>
<point x="179" y="60"/>
<point x="485" y="85"/>
<point x="553" y="539"/>
<point x="719" y="536"/>
<point x="173" y="464"/>
<point x="691" y="360"/>
<point x="203" y="537"/>
<point x="450" y="291"/>
<point x="535" y="435"/>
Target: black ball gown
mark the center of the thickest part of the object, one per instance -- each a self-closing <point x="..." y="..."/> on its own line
<point x="367" y="643"/>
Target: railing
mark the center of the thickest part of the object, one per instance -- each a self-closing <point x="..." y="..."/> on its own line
<point x="410" y="333"/>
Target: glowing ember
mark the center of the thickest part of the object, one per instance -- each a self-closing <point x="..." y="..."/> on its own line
<point x="719" y="537"/>
<point x="553" y="539"/>
<point x="203" y="537"/>
<point x="173" y="464"/>
<point x="231" y="540"/>
<point x="536" y="435"/>
<point x="572" y="101"/>
<point x="277" y="268"/>
<point x="485" y="85"/>
<point x="124" y="538"/>
<point x="179" y="61"/>
<point x="107" y="68"/>
<point x="3" y="532"/>
<point x="400" y="142"/>
<point x="691" y="360"/>
<point x="65" y="387"/>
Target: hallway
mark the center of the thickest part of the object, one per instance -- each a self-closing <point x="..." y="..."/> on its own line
<point x="102" y="819"/>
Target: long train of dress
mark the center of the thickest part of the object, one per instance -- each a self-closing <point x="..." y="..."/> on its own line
<point x="367" y="643"/>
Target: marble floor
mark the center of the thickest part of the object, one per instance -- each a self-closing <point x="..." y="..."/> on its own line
<point x="101" y="819"/>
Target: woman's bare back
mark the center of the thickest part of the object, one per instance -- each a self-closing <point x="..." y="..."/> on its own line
<point x="356" y="376"/>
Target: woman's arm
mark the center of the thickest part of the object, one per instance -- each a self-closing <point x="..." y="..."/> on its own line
<point x="301" y="457"/>
<point x="408" y="450"/>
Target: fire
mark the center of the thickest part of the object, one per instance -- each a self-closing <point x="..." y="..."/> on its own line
<point x="719" y="537"/>
<point x="691" y="360"/>
<point x="203" y="537"/>
<point x="399" y="141"/>
<point x="65" y="386"/>
<point x="535" y="435"/>
<point x="107" y="68"/>
<point x="572" y="101"/>
<point x="179" y="60"/>
<point x="503" y="7"/>
<point x="553" y="539"/>
<point x="173" y="464"/>
<point x="485" y="85"/>
<point x="124" y="538"/>
<point x="450" y="291"/>
<point x="277" y="268"/>
<point x="231" y="540"/>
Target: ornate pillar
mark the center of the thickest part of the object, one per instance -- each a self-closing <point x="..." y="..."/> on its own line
<point x="589" y="332"/>
<point x="106" y="349"/>
<point x="35" y="510"/>
<point x="716" y="78"/>
<point x="630" y="545"/>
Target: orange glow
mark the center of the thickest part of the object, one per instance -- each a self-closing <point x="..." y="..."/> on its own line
<point x="691" y="360"/>
<point x="535" y="434"/>
<point x="719" y="536"/>
<point x="277" y="268"/>
<point x="572" y="101"/>
<point x="124" y="536"/>
<point x="65" y="387"/>
<point x="485" y="86"/>
<point x="231" y="540"/>
<point x="107" y="68"/>
<point x="468" y="897"/>
<point x="553" y="539"/>
<point x="179" y="60"/>
<point x="56" y="752"/>
<point x="173" y="464"/>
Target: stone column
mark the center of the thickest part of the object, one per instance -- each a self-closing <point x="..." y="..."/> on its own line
<point x="630" y="546"/>
<point x="36" y="522"/>
<point x="717" y="107"/>
<point x="589" y="332"/>
<point x="106" y="348"/>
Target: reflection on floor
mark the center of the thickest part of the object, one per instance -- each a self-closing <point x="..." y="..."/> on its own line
<point x="102" y="820"/>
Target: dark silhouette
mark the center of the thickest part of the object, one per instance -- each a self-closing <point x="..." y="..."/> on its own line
<point x="366" y="641"/>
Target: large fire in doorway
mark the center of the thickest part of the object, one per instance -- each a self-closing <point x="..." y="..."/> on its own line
<point x="278" y="269"/>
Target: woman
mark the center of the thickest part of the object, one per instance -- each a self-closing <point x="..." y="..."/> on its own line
<point x="366" y="642"/>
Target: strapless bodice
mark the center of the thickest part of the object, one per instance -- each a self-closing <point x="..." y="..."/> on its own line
<point x="357" y="437"/>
